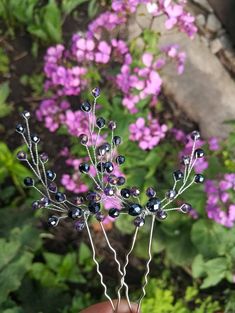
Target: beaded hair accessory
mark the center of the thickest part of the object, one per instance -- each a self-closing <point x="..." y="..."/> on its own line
<point x="103" y="159"/>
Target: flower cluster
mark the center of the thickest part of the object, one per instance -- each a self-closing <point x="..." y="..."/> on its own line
<point x="220" y="200"/>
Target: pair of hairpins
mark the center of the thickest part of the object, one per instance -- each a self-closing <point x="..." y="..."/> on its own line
<point x="103" y="160"/>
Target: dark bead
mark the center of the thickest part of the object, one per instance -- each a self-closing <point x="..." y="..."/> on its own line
<point x="51" y="175"/>
<point x="185" y="160"/>
<point x="100" y="217"/>
<point x="75" y="213"/>
<point x="52" y="187"/>
<point x="120" y="159"/>
<point x="43" y="157"/>
<point x="150" y="192"/>
<point x="186" y="208"/>
<point x="94" y="207"/>
<point x="107" y="146"/>
<point x="45" y="201"/>
<point x="171" y="194"/>
<point x="199" y="178"/>
<point x="93" y="196"/>
<point x="28" y="181"/>
<point x="117" y="140"/>
<point x="101" y="151"/>
<point x="135" y="209"/>
<point x="112" y="179"/>
<point x="135" y="192"/>
<point x="53" y="221"/>
<point x="112" y="125"/>
<point x="199" y="153"/>
<point x="20" y="128"/>
<point x="26" y="114"/>
<point x="36" y="205"/>
<point x="86" y="106"/>
<point x="95" y="92"/>
<point x="109" y="167"/>
<point x="195" y="135"/>
<point x="121" y="181"/>
<point x="100" y="122"/>
<point x="161" y="215"/>
<point x="178" y="175"/>
<point x="80" y="224"/>
<point x="35" y="139"/>
<point x="125" y="193"/>
<point x="79" y="200"/>
<point x="21" y="155"/>
<point x="84" y="167"/>
<point x="109" y="191"/>
<point x="83" y="139"/>
<point x="60" y="197"/>
<point x="153" y="205"/>
<point x="101" y="167"/>
<point x="139" y="221"/>
<point x="114" y="213"/>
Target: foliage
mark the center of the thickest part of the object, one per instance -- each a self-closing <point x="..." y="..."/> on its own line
<point x="5" y="108"/>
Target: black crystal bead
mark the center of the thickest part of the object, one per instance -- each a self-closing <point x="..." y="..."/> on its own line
<point x="84" y="167"/>
<point x="95" y="92"/>
<point x="45" y="201"/>
<point x="80" y="225"/>
<point x="171" y="194"/>
<point x="109" y="167"/>
<point x="79" y="200"/>
<point x="36" y="205"/>
<point x="112" y="125"/>
<point x="26" y="114"/>
<point x="51" y="175"/>
<point x="186" y="208"/>
<point x="83" y="139"/>
<point x="153" y="205"/>
<point x="161" y="215"/>
<point x="117" y="140"/>
<point x="139" y="221"/>
<point x="199" y="178"/>
<point x="52" y="187"/>
<point x="21" y="156"/>
<point x="60" y="197"/>
<point x="43" y="157"/>
<point x="28" y="182"/>
<point x="135" y="209"/>
<point x="86" y="106"/>
<point x="120" y="159"/>
<point x="150" y="192"/>
<point x="53" y="221"/>
<point x="107" y="146"/>
<point x="109" y="191"/>
<point x="135" y="192"/>
<point x="125" y="193"/>
<point x="100" y="122"/>
<point x="178" y="175"/>
<point x="93" y="196"/>
<point x="20" y="128"/>
<point x="199" y="153"/>
<point x="100" y="217"/>
<point x="112" y="179"/>
<point x="195" y="135"/>
<point x="101" y="151"/>
<point x="35" y="139"/>
<point x="94" y="207"/>
<point x="121" y="181"/>
<point x="114" y="212"/>
<point x="75" y="213"/>
<point x="101" y="167"/>
<point x="185" y="160"/>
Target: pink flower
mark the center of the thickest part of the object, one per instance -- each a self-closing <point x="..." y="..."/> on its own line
<point x="214" y="144"/>
<point x="103" y="54"/>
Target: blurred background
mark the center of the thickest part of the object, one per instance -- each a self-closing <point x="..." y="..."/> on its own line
<point x="164" y="68"/>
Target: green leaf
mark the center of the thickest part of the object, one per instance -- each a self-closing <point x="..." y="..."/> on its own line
<point x="8" y="251"/>
<point x="52" y="21"/>
<point x="92" y="8"/>
<point x="69" y="5"/>
<point x="198" y="266"/>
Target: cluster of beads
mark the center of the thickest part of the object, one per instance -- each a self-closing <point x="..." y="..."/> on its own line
<point x="103" y="159"/>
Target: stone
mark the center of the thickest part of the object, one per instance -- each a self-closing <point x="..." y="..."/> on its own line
<point x="201" y="20"/>
<point x="226" y="42"/>
<point x="216" y="45"/>
<point x="213" y="23"/>
<point x="204" y="4"/>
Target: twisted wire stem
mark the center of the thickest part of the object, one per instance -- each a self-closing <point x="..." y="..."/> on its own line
<point x="147" y="265"/>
